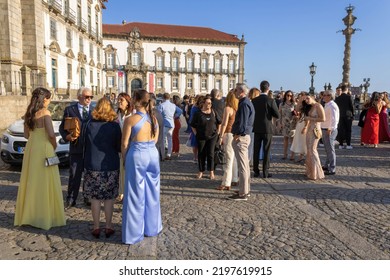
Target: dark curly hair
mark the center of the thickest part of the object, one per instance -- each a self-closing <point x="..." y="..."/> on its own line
<point x="36" y="103"/>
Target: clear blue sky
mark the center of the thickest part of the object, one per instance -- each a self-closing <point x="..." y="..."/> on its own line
<point x="284" y="36"/>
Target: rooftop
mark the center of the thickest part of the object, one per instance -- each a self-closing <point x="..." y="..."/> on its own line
<point x="153" y="30"/>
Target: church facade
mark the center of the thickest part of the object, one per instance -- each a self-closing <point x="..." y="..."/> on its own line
<point x="170" y="58"/>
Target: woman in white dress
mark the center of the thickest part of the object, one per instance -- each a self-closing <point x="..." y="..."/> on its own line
<point x="125" y="110"/>
<point x="298" y="145"/>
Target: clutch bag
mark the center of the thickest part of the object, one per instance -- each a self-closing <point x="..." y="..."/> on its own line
<point x="49" y="161"/>
<point x="72" y="124"/>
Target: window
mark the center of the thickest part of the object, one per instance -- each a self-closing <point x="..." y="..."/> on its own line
<point x="89" y="19"/>
<point x="91" y="50"/>
<point x="217" y="66"/>
<point x="175" y="83"/>
<point x="232" y="84"/>
<point x="204" y="65"/>
<point x="97" y="24"/>
<point x="218" y="84"/>
<point x="110" y="82"/>
<point x="189" y="83"/>
<point x="69" y="71"/>
<point x="175" y="64"/>
<point x="159" y="83"/>
<point x="98" y="54"/>
<point x="190" y="64"/>
<point x="204" y="84"/>
<point x="81" y="45"/>
<point x="53" y="29"/>
<point x="135" y="59"/>
<point x="231" y="65"/>
<point x="91" y="76"/>
<point x="54" y="73"/>
<point x="110" y="60"/>
<point x="160" y="65"/>
<point x="68" y="38"/>
<point x="82" y="77"/>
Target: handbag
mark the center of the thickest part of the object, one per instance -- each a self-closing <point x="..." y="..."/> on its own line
<point x="219" y="155"/>
<point x="50" y="161"/>
<point x="72" y="125"/>
<point x="317" y="133"/>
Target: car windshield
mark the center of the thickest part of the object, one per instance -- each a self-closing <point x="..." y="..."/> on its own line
<point x="57" y="108"/>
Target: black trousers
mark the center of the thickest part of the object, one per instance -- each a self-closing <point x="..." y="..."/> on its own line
<point x="265" y="140"/>
<point x="206" y="152"/>
<point x="76" y="168"/>
<point x="345" y="130"/>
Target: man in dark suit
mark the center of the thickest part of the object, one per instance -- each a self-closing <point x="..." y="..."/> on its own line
<point x="265" y="110"/>
<point x="82" y="111"/>
<point x="345" y="104"/>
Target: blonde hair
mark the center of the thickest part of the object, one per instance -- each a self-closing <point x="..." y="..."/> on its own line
<point x="104" y="111"/>
<point x="231" y="100"/>
<point x="253" y="92"/>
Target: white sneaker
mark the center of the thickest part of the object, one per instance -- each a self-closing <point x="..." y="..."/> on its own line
<point x="341" y="147"/>
<point x="349" y="148"/>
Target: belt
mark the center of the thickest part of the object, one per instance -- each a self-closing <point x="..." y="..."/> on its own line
<point x="324" y="128"/>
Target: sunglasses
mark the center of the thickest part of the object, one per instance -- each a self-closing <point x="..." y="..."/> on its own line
<point x="88" y="97"/>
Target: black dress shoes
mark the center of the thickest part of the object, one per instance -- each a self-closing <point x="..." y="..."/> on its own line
<point x="87" y="202"/>
<point x="324" y="168"/>
<point x="256" y="175"/>
<point x="70" y="203"/>
<point x="269" y="175"/>
<point x="327" y="172"/>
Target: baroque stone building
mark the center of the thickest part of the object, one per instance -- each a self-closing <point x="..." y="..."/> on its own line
<point x="51" y="43"/>
<point x="170" y="58"/>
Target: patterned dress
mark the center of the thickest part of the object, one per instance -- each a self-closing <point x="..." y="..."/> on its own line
<point x="313" y="164"/>
<point x="287" y="119"/>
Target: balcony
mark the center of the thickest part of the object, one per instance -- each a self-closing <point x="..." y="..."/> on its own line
<point x="55" y="5"/>
<point x="70" y="15"/>
<point x="93" y="33"/>
<point x="83" y="25"/>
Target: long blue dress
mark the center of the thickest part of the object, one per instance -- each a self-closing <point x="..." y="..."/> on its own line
<point x="141" y="214"/>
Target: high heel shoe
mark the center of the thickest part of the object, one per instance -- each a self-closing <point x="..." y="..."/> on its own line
<point x="96" y="233"/>
<point x="199" y="176"/>
<point x="223" y="188"/>
<point x="109" y="232"/>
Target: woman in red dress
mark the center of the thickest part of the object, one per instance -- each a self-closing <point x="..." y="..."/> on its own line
<point x="370" y="133"/>
<point x="384" y="131"/>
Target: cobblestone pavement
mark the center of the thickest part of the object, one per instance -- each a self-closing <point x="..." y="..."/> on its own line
<point x="345" y="216"/>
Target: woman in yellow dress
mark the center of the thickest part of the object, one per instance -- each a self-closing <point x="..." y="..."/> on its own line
<point x="39" y="202"/>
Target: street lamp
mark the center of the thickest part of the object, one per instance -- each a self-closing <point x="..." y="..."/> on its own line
<point x="327" y="87"/>
<point x="366" y="85"/>
<point x="312" y="68"/>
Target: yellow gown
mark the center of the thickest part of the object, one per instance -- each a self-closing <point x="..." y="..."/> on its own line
<point x="39" y="202"/>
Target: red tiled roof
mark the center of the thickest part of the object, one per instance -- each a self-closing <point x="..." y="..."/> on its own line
<point x="170" y="31"/>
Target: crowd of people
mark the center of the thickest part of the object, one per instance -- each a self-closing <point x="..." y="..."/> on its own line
<point x="123" y="140"/>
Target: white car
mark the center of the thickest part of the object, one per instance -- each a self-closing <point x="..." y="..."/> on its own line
<point x="13" y="142"/>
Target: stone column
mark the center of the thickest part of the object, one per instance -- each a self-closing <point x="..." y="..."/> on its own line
<point x="11" y="44"/>
<point x="241" y="60"/>
<point x="26" y="81"/>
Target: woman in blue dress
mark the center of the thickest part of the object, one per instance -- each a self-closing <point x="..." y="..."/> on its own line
<point x="141" y="214"/>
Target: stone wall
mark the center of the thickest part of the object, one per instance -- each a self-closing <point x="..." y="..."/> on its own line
<point x="12" y="108"/>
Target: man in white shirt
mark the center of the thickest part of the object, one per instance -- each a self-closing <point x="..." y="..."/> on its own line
<point x="329" y="131"/>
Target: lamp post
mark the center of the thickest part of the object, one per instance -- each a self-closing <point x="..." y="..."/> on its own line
<point x="365" y="86"/>
<point x="312" y="68"/>
<point x="327" y="87"/>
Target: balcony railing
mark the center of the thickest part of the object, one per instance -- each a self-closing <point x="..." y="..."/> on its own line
<point x="93" y="33"/>
<point x="56" y="5"/>
<point x="70" y="15"/>
<point x="83" y="25"/>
